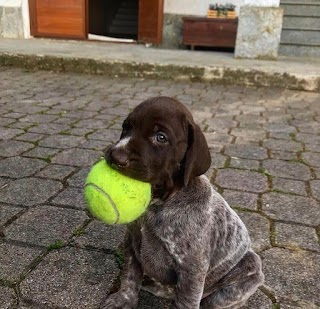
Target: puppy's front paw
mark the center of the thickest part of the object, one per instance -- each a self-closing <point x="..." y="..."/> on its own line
<point x="119" y="300"/>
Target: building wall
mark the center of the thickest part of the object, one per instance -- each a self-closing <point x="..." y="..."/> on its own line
<point x="200" y="7"/>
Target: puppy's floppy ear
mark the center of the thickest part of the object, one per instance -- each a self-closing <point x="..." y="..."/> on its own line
<point x="197" y="159"/>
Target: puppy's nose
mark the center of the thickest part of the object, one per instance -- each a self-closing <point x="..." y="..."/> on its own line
<point x="118" y="158"/>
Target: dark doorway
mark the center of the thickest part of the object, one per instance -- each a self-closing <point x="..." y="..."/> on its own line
<point x="114" y="18"/>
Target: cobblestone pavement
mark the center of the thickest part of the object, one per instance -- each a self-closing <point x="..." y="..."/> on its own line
<point x="265" y="146"/>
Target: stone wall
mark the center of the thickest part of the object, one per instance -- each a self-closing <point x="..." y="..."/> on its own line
<point x="11" y="22"/>
<point x="259" y="32"/>
<point x="14" y="19"/>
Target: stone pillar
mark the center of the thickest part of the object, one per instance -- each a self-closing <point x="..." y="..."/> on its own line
<point x="259" y="31"/>
<point x="14" y="19"/>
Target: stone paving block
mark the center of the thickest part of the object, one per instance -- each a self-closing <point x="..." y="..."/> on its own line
<point x="70" y="278"/>
<point x="94" y="124"/>
<point x="13" y="115"/>
<point x="7" y="212"/>
<point x="62" y="141"/>
<point x="311" y="158"/>
<point x="58" y="172"/>
<point x="220" y="124"/>
<point x="8" y="298"/>
<point x="71" y="197"/>
<point x="29" y="191"/>
<point x="41" y="152"/>
<point x="289" y="186"/>
<point x="18" y="167"/>
<point x="308" y="138"/>
<point x="312" y="147"/>
<point x="38" y="118"/>
<point x="244" y="164"/>
<point x="217" y="139"/>
<point x="7" y="133"/>
<point x="78" y="179"/>
<point x="283" y="155"/>
<point x="241" y="199"/>
<point x="258" y="228"/>
<point x="293" y="275"/>
<point x="291" y="208"/>
<point x="242" y="180"/>
<point x="3" y="182"/>
<point x="279" y="128"/>
<point x="246" y="151"/>
<point x="290" y="235"/>
<point x="249" y="133"/>
<point x="248" y="120"/>
<point x="275" y="144"/>
<point x="106" y="135"/>
<point x="45" y="225"/>
<point x="258" y="301"/>
<point x="293" y="170"/>
<point x="25" y="126"/>
<point x="101" y="235"/>
<point x="311" y="127"/>
<point x="280" y="135"/>
<point x="6" y="121"/>
<point x="217" y="160"/>
<point x="95" y="145"/>
<point x="14" y="260"/>
<point x="315" y="188"/>
<point x="77" y="157"/>
<point x="30" y="137"/>
<point x="10" y="148"/>
<point x="49" y="128"/>
<point x="79" y="131"/>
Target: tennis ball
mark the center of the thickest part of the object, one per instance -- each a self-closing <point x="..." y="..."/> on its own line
<point x="115" y="198"/>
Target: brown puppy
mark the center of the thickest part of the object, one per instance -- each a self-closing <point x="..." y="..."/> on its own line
<point x="189" y="246"/>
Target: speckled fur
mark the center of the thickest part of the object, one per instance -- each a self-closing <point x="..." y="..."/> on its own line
<point x="190" y="246"/>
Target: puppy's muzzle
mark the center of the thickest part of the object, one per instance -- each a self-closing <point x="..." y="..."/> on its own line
<point x="117" y="157"/>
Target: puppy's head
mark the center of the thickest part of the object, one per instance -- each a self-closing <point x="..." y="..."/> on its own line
<point x="160" y="144"/>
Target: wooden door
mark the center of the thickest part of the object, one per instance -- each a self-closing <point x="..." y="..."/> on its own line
<point x="150" y="21"/>
<point x="58" y="18"/>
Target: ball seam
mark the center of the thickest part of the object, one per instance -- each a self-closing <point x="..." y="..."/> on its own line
<point x="108" y="197"/>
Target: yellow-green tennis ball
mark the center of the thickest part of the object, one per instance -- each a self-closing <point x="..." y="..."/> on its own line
<point x="114" y="198"/>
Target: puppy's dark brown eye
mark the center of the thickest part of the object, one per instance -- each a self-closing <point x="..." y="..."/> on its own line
<point x="161" y="138"/>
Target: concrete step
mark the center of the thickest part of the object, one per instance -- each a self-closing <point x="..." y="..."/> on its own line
<point x="300" y="37"/>
<point x="299" y="51"/>
<point x="301" y="8"/>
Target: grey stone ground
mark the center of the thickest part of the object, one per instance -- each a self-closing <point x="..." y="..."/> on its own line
<point x="265" y="146"/>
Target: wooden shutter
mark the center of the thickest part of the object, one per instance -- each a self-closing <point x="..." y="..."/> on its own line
<point x="150" y="21"/>
<point x="58" y="18"/>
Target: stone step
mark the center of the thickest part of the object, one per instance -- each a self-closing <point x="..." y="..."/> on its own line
<point x="300" y="37"/>
<point x="301" y="23"/>
<point x="124" y="29"/>
<point x="301" y="9"/>
<point x="125" y="22"/>
<point x="299" y="51"/>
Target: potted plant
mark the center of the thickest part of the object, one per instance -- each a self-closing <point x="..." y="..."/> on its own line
<point x="221" y="11"/>
<point x="230" y="10"/>
<point x="212" y="11"/>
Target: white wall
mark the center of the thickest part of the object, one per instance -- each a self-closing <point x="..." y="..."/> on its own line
<point x="10" y="3"/>
<point x="200" y="7"/>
